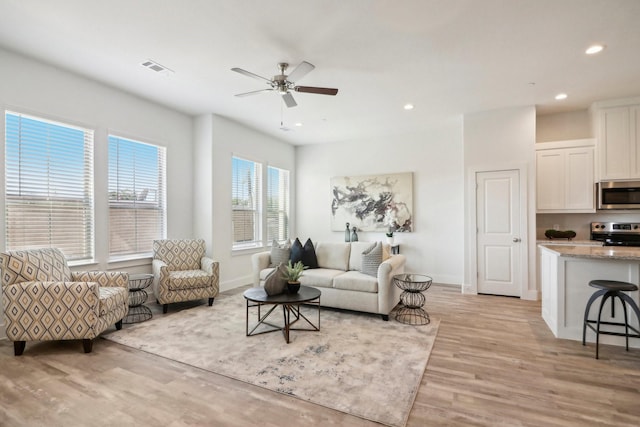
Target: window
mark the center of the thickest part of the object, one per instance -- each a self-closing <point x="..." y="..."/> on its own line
<point x="277" y="204"/>
<point x="137" y="209"/>
<point x="49" y="186"/>
<point x="246" y="203"/>
<point x="253" y="226"/>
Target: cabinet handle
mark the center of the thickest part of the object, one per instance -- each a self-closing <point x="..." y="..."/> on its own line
<point x="516" y="239"/>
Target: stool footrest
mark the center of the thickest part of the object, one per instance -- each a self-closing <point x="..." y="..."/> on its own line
<point x="620" y="334"/>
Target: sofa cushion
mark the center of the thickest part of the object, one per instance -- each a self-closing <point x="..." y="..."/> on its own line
<point x="355" y="257"/>
<point x="265" y="272"/>
<point x="320" y="277"/>
<point x="356" y="281"/>
<point x="333" y="255"/>
<point x="309" y="258"/>
<point x="279" y="253"/>
<point x="189" y="279"/>
<point x="371" y="260"/>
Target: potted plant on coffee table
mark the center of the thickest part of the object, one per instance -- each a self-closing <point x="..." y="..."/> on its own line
<point x="292" y="276"/>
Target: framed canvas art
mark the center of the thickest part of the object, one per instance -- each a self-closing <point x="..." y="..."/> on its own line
<point x="373" y="202"/>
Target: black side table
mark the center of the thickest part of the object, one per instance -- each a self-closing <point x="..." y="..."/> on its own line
<point x="138" y="312"/>
<point x="412" y="298"/>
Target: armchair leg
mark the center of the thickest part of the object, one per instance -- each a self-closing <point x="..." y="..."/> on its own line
<point x="210" y="302"/>
<point x="165" y="308"/>
<point x="87" y="345"/>
<point x="18" y="347"/>
<point x="385" y="317"/>
<point x="119" y="325"/>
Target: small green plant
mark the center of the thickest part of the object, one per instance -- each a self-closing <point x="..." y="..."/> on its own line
<point x="293" y="271"/>
<point x="390" y="234"/>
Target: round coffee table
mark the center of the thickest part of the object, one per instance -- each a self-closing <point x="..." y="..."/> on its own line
<point x="412" y="298"/>
<point x="257" y="297"/>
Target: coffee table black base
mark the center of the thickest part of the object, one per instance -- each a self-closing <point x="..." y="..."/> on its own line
<point x="291" y="313"/>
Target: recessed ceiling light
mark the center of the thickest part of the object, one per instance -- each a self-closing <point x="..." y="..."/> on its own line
<point x="298" y="124"/>
<point x="561" y="96"/>
<point x="408" y="106"/>
<point x="593" y="49"/>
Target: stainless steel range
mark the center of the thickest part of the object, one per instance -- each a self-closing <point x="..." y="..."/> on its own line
<point x="616" y="233"/>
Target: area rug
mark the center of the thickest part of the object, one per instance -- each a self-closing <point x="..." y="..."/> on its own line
<point x="357" y="363"/>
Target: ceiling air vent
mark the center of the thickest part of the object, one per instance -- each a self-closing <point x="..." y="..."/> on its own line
<point x="154" y="66"/>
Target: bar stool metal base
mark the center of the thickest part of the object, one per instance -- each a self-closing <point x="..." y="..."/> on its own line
<point x="611" y="289"/>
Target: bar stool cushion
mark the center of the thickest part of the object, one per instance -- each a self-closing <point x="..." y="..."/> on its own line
<point x="613" y="285"/>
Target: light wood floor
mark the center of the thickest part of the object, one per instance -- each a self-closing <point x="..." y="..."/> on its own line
<point x="494" y="363"/>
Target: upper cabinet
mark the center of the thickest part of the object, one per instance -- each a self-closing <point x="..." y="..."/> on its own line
<point x="618" y="133"/>
<point x="565" y="176"/>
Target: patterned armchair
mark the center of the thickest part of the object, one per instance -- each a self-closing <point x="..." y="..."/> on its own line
<point x="44" y="300"/>
<point x="182" y="272"/>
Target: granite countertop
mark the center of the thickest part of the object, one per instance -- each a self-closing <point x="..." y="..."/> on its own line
<point x="565" y="242"/>
<point x="595" y="252"/>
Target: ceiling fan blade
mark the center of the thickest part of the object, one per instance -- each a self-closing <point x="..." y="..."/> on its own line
<point x="250" y="74"/>
<point x="253" y="92"/>
<point x="288" y="100"/>
<point x="318" y="90"/>
<point x="300" y="71"/>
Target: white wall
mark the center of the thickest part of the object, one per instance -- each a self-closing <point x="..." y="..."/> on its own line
<point x="495" y="140"/>
<point x="217" y="139"/>
<point x="35" y="88"/>
<point x="435" y="158"/>
<point x="564" y="126"/>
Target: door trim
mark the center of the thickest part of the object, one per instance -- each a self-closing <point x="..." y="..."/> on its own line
<point x="472" y="243"/>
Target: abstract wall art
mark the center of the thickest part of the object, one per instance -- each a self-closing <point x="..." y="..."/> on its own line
<point x="373" y="202"/>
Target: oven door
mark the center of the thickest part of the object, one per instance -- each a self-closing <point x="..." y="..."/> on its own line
<point x="618" y="195"/>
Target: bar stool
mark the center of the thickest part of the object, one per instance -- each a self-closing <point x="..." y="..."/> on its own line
<point x="611" y="289"/>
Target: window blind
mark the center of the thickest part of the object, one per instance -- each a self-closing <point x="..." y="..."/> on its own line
<point x="246" y="204"/>
<point x="277" y="204"/>
<point x="137" y="209"/>
<point x="48" y="186"/>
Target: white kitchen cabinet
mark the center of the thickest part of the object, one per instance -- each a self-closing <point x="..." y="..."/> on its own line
<point x="565" y="177"/>
<point x="618" y="132"/>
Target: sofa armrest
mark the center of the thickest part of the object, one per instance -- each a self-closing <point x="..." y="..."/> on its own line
<point x="208" y="264"/>
<point x="71" y="301"/>
<point x="389" y="268"/>
<point x="259" y="262"/>
<point x="103" y="278"/>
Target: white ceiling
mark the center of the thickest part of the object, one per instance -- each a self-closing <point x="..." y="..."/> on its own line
<point x="447" y="57"/>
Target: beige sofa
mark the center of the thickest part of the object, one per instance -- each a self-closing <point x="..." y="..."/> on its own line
<point x="340" y="280"/>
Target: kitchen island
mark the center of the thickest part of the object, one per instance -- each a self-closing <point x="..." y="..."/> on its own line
<point x="565" y="272"/>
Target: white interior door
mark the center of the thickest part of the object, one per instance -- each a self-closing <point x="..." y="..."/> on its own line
<point x="498" y="227"/>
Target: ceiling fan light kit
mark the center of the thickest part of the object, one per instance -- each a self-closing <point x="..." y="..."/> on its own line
<point x="285" y="84"/>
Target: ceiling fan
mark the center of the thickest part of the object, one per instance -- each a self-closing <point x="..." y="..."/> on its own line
<point x="285" y="84"/>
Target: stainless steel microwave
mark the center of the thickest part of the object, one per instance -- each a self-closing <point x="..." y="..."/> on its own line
<point x="618" y="194"/>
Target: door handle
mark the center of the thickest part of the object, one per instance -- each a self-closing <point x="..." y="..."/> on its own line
<point x="516" y="240"/>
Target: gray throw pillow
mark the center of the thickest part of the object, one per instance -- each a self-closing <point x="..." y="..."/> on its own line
<point x="274" y="284"/>
<point x="371" y="260"/>
<point x="280" y="252"/>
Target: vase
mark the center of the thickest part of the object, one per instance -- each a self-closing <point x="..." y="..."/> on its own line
<point x="347" y="234"/>
<point x="293" y="287"/>
<point x="390" y="240"/>
<point x="354" y="235"/>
